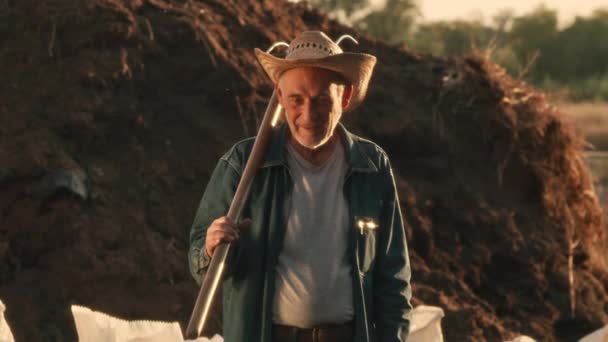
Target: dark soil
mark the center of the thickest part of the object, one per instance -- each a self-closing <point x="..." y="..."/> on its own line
<point x="137" y="99"/>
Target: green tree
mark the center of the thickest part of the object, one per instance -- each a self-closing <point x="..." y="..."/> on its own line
<point x="581" y="49"/>
<point x="534" y="34"/>
<point x="336" y="7"/>
<point x="451" y="37"/>
<point x="392" y="23"/>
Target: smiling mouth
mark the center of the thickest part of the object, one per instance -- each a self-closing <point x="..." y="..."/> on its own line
<point x="312" y="127"/>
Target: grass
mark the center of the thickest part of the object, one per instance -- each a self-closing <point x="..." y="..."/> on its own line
<point x="591" y="119"/>
<point x="593" y="89"/>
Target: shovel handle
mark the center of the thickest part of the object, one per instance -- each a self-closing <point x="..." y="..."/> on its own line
<point x="215" y="272"/>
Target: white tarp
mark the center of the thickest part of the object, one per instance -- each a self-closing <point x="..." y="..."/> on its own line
<point x="5" y="331"/>
<point x="426" y="324"/>
<point x="600" y="335"/>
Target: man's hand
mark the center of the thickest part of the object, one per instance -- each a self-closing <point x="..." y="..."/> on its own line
<point x="223" y="229"/>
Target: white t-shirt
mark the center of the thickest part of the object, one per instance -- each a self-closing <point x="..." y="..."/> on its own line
<point x="313" y="280"/>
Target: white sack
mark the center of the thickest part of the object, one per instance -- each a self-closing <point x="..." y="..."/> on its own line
<point x="600" y="335"/>
<point x="522" y="338"/>
<point x="93" y="326"/>
<point x="5" y="331"/>
<point x="425" y="325"/>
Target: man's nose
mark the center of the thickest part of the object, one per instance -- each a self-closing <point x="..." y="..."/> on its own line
<point x="310" y="110"/>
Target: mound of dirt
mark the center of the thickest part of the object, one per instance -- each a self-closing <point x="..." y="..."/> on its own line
<point x="114" y="113"/>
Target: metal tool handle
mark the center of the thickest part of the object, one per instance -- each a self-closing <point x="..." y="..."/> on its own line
<point x="215" y="272"/>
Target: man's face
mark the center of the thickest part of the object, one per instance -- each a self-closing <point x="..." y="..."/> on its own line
<point x="313" y="100"/>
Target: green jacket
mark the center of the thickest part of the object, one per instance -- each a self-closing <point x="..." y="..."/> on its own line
<point x="380" y="263"/>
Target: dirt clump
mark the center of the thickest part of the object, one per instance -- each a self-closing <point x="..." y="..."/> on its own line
<point x="114" y="114"/>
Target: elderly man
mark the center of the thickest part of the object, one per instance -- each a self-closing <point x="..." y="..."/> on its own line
<point x="324" y="256"/>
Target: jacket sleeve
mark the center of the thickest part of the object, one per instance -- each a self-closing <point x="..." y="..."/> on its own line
<point x="392" y="291"/>
<point x="215" y="203"/>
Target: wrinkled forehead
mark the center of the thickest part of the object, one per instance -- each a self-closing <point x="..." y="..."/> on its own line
<point x="303" y="75"/>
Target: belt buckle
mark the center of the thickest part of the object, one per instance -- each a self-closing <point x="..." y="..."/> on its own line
<point x="315" y="334"/>
<point x="299" y="334"/>
<point x="294" y="332"/>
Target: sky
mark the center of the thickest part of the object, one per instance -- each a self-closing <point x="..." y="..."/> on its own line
<point x="469" y="9"/>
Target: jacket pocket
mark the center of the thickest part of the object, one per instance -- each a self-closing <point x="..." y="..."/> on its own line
<point x="367" y="229"/>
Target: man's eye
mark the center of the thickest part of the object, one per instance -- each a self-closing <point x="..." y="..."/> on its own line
<point x="323" y="100"/>
<point x="295" y="101"/>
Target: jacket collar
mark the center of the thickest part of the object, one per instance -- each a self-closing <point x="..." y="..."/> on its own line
<point x="356" y="158"/>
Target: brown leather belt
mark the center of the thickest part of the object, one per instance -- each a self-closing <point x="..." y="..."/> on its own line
<point x="344" y="332"/>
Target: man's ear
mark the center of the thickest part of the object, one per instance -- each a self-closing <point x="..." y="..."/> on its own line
<point x="278" y="92"/>
<point x="347" y="95"/>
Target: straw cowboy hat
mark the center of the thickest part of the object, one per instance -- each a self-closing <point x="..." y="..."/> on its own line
<point x="315" y="49"/>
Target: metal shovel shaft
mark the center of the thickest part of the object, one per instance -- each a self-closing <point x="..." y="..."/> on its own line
<point x="216" y="269"/>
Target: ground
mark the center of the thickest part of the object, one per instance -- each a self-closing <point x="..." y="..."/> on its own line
<point x="114" y="114"/>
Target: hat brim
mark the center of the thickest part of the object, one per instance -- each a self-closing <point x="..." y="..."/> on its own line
<point x="357" y="68"/>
